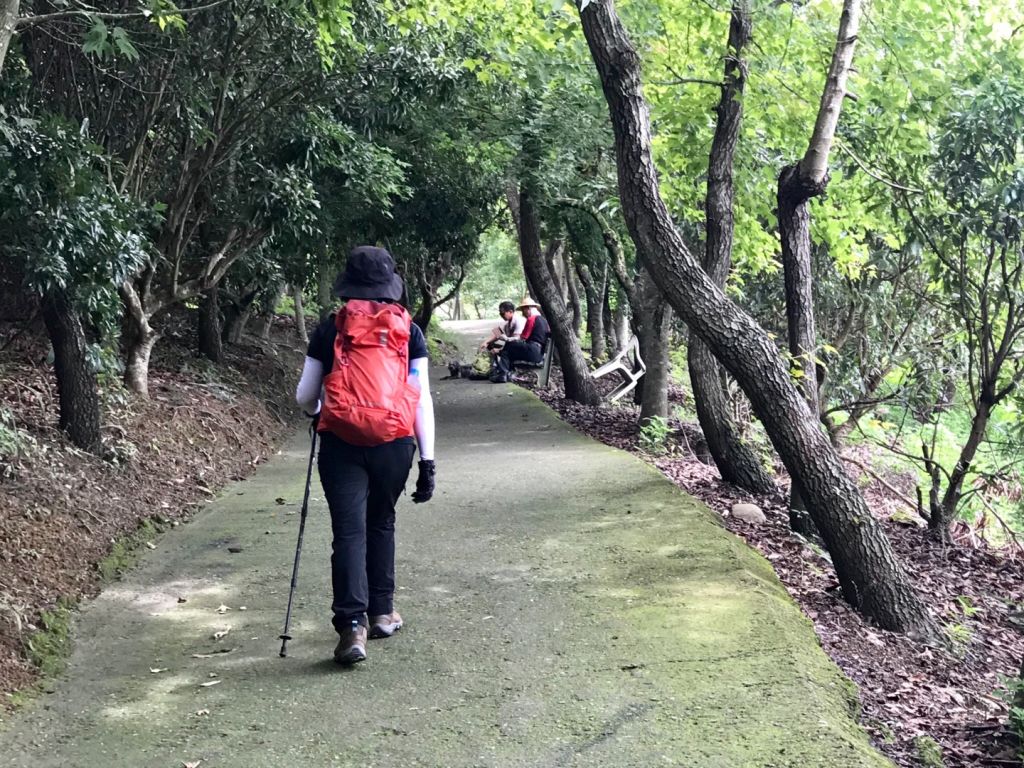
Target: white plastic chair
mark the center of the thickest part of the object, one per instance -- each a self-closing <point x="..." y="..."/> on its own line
<point x="628" y="363"/>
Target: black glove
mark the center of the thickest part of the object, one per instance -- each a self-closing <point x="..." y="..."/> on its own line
<point x="425" y="482"/>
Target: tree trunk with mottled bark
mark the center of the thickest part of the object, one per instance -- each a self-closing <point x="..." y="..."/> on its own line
<point x="325" y="286"/>
<point x="592" y="287"/>
<point x="654" y="335"/>
<point x="209" y="332"/>
<point x="76" y="380"/>
<point x="574" y="293"/>
<point x="736" y="461"/>
<point x="300" y="316"/>
<point x="8" y="19"/>
<point x="872" y="579"/>
<point x="267" y="311"/>
<point x="607" y="318"/>
<point x="798" y="185"/>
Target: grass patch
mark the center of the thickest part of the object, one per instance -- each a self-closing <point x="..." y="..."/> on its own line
<point x="49" y="646"/>
<point x="125" y="550"/>
<point x="441" y="344"/>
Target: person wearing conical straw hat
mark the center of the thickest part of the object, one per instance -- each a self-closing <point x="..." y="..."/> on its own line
<point x="529" y="347"/>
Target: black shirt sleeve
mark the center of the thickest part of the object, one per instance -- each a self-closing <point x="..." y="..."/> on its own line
<point x="417" y="343"/>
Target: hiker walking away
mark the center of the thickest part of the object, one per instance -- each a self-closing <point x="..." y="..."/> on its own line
<point x="368" y="364"/>
<point x="529" y="348"/>
<point x="511" y="328"/>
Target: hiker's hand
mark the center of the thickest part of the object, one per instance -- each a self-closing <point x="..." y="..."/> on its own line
<point x="425" y="482"/>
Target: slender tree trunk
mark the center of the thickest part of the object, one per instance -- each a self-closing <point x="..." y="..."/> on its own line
<point x="76" y="379"/>
<point x="209" y="331"/>
<point x="737" y="463"/>
<point x="871" y="576"/>
<point x="798" y="184"/>
<point x="941" y="518"/>
<point x="654" y="334"/>
<point x="620" y="323"/>
<point x="8" y="18"/>
<point x="270" y="302"/>
<point x="139" y="338"/>
<point x="574" y="294"/>
<point x="607" y="318"/>
<point x="236" y="323"/>
<point x="595" y="315"/>
<point x="300" y="316"/>
<point x="578" y="384"/>
<point x="324" y="286"/>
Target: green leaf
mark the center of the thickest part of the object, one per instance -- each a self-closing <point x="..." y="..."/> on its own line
<point x="123" y="44"/>
<point x="96" y="39"/>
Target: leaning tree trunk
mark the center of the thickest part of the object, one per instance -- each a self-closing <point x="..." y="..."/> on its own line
<point x="209" y="330"/>
<point x="872" y="578"/>
<point x="300" y="315"/>
<point x="578" y="384"/>
<point x="595" y="316"/>
<point x="654" y="335"/>
<point x="425" y="312"/>
<point x="943" y="514"/>
<point x="76" y="379"/>
<point x="798" y="184"/>
<point x="737" y="463"/>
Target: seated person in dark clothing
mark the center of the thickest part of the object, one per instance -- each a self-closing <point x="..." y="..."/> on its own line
<point x="529" y="348"/>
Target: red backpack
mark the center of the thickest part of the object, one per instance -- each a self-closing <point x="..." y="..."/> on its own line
<point x="368" y="399"/>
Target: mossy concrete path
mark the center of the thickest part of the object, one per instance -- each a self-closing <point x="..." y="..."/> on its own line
<point x="565" y="606"/>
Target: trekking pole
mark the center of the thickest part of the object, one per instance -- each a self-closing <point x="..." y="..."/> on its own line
<point x="285" y="637"/>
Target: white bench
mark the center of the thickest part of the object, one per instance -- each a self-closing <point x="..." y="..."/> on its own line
<point x="629" y="364"/>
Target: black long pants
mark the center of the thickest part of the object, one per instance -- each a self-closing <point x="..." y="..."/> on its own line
<point x="519" y="350"/>
<point x="362" y="486"/>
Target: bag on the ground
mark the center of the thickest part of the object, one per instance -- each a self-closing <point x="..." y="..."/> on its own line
<point x="368" y="399"/>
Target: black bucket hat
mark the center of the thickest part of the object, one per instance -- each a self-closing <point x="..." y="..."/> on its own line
<point x="369" y="274"/>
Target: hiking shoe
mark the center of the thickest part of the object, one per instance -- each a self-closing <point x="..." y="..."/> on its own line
<point x="385" y="626"/>
<point x="352" y="646"/>
<point x="500" y="378"/>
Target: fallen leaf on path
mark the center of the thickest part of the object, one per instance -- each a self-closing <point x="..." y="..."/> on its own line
<point x="242" y="608"/>
<point x="182" y="599"/>
<point x="158" y="670"/>
<point x="281" y="500"/>
<point x="186" y="764"/>
<point x="150" y="545"/>
<point x="222" y="633"/>
<point x="202" y="712"/>
<point x="223" y="609"/>
<point x="210" y="683"/>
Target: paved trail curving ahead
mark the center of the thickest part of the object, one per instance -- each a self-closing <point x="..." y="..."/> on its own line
<point x="566" y="606"/>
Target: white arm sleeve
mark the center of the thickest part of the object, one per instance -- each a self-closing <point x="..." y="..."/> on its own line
<point x="307" y="393"/>
<point x="424" y="425"/>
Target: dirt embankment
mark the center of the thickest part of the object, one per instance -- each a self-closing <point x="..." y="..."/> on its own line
<point x="64" y="514"/>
